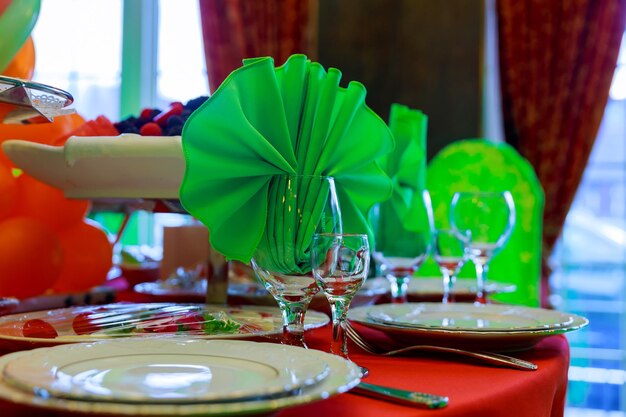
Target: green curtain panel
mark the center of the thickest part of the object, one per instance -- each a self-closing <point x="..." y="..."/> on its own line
<point x="265" y="121"/>
<point x="480" y="165"/>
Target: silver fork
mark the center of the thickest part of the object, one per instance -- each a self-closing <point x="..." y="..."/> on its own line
<point x="493" y="358"/>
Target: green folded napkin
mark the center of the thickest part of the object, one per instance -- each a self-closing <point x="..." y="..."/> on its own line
<point x="265" y="121"/>
<point x="406" y="166"/>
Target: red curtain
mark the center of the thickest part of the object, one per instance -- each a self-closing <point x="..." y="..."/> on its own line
<point x="557" y="60"/>
<point x="237" y="29"/>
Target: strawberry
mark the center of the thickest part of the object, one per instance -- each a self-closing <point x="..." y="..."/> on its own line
<point x="39" y="329"/>
<point x="191" y="321"/>
<point x="160" y="325"/>
<point x="151" y="129"/>
<point x="83" y="324"/>
<point x="175" y="109"/>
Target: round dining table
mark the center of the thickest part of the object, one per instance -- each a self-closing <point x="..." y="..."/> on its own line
<point x="474" y="388"/>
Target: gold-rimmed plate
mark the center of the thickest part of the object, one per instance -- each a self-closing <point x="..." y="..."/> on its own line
<point x="142" y="320"/>
<point x="342" y="376"/>
<point x="165" y="371"/>
<point x="494" y="327"/>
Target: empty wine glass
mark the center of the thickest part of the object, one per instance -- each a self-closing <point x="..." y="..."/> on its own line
<point x="450" y="251"/>
<point x="490" y="217"/>
<point x="298" y="207"/>
<point x="340" y="266"/>
<point x="403" y="241"/>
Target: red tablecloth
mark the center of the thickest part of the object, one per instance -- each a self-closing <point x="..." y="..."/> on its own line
<point x="474" y="389"/>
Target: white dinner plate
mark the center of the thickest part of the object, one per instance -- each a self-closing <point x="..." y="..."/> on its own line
<point x="465" y="338"/>
<point x="430" y="289"/>
<point x="433" y="286"/>
<point x="165" y="371"/>
<point x="254" y="293"/>
<point x="342" y="376"/>
<point x="142" y="320"/>
<point x="162" y="289"/>
<point x="472" y="317"/>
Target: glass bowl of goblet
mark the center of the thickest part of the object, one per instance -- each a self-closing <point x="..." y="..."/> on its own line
<point x="340" y="266"/>
<point x="403" y="241"/>
<point x="490" y="218"/>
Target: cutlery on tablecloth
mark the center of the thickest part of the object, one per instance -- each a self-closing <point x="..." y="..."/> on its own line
<point x="489" y="357"/>
<point x="412" y="398"/>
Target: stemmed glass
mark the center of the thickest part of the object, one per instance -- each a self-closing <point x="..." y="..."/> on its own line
<point x="450" y="251"/>
<point x="490" y="217"/>
<point x="298" y="207"/>
<point x="340" y="266"/>
<point x="403" y="241"/>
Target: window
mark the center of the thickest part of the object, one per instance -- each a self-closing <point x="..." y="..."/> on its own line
<point x="181" y="67"/>
<point x="590" y="268"/>
<point x="77" y="47"/>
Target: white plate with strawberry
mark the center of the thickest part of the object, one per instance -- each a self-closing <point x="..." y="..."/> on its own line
<point x="141" y="320"/>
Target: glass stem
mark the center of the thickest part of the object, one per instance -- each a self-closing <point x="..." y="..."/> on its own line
<point x="293" y="322"/>
<point x="481" y="275"/>
<point x="339" y="343"/>
<point x="448" y="285"/>
<point x="399" y="289"/>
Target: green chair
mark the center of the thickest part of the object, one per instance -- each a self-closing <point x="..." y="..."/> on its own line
<point x="480" y="165"/>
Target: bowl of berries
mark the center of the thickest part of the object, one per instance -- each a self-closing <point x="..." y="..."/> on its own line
<point x="138" y="158"/>
<point x="160" y="122"/>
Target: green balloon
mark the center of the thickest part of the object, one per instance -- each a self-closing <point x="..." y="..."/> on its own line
<point x="16" y="24"/>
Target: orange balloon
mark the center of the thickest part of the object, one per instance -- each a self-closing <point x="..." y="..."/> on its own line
<point x="88" y="257"/>
<point x="40" y="132"/>
<point x="47" y="204"/>
<point x="8" y="192"/>
<point x="23" y="63"/>
<point x="31" y="257"/>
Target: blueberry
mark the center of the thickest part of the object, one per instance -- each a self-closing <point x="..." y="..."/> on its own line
<point x="193" y="104"/>
<point x="174" y="121"/>
<point x="124" y="127"/>
<point x="173" y="130"/>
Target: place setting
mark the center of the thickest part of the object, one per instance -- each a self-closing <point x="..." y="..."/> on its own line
<point x="480" y="225"/>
